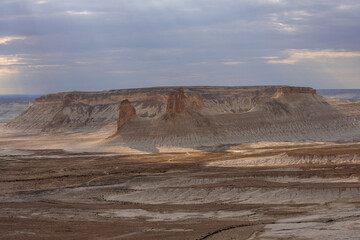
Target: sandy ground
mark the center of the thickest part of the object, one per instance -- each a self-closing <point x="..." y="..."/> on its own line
<point x="69" y="188"/>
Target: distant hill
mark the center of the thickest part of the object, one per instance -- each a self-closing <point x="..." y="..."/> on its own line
<point x="353" y="94"/>
<point x="13" y="105"/>
<point x="18" y="98"/>
<point x="10" y="110"/>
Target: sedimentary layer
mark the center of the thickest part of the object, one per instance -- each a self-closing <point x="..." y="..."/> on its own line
<point x="93" y="110"/>
<point x="194" y="116"/>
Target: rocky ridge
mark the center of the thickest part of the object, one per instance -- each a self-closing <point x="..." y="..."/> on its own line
<point x="194" y="116"/>
<point x="92" y="110"/>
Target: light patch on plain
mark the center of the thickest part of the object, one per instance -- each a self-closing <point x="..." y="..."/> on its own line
<point x="5" y="40"/>
<point x="287" y="179"/>
<point x="298" y="55"/>
<point x="283" y="160"/>
<point x="79" y="12"/>
<point x="337" y="223"/>
<point x="233" y="195"/>
<point x="173" y="216"/>
<point x="168" y="230"/>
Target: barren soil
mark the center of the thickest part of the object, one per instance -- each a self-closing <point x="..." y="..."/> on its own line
<point x="55" y="194"/>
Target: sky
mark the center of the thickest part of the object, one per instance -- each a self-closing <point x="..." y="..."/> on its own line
<point x="49" y="46"/>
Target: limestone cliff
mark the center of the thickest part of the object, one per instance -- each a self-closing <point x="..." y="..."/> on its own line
<point x="126" y="112"/>
<point x="178" y="101"/>
<point x="286" y="91"/>
<point x="224" y="110"/>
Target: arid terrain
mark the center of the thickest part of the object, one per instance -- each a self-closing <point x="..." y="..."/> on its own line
<point x="59" y="195"/>
<point x="199" y="163"/>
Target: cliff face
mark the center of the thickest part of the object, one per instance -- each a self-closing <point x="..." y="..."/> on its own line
<point x="177" y="102"/>
<point x="126" y="112"/>
<point x="292" y="118"/>
<point x="193" y="116"/>
<point x="89" y="111"/>
<point x="287" y="91"/>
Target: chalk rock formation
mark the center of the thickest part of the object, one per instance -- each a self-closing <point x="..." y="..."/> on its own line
<point x="287" y="91"/>
<point x="193" y="116"/>
<point x="178" y="102"/>
<point x="127" y="111"/>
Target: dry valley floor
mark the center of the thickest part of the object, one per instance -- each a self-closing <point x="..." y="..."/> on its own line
<point x="214" y="194"/>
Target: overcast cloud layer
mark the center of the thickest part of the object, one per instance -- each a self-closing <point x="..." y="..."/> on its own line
<point x="52" y="46"/>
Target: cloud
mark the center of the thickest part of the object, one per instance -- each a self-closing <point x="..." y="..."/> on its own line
<point x="7" y="39"/>
<point x="346" y="7"/>
<point x="232" y="63"/>
<point x="44" y="66"/>
<point x="298" y="55"/>
<point x="4" y="72"/>
<point x="6" y="60"/>
<point x="271" y="1"/>
<point x="270" y="57"/>
<point x="280" y="25"/>
<point x="297" y="15"/>
<point x="79" y="12"/>
<point x="123" y="72"/>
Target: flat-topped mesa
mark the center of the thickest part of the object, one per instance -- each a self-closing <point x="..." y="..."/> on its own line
<point x="90" y="111"/>
<point x="286" y="91"/>
<point x="178" y="101"/>
<point x="126" y="112"/>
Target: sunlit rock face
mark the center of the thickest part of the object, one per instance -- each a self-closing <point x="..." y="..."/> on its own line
<point x="126" y="112"/>
<point x="286" y="91"/>
<point x="178" y="101"/>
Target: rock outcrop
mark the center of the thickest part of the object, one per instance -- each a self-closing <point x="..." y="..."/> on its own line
<point x="203" y="114"/>
<point x="178" y="102"/>
<point x="126" y="112"/>
<point x="287" y="91"/>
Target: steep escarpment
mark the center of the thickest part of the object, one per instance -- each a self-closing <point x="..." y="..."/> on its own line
<point x="89" y="111"/>
<point x="178" y="102"/>
<point x="287" y="91"/>
<point x="194" y="116"/>
<point x="294" y="117"/>
<point x="126" y="112"/>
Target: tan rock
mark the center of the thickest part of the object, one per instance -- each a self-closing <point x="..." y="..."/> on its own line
<point x="286" y="91"/>
<point x="178" y="101"/>
<point x="127" y="111"/>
